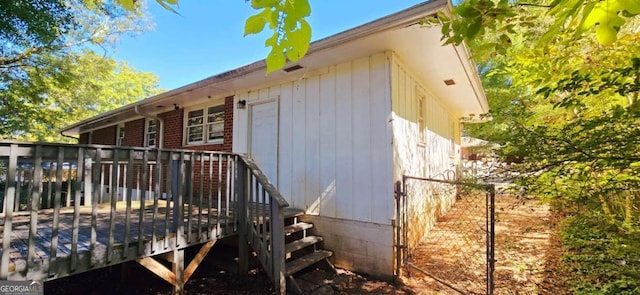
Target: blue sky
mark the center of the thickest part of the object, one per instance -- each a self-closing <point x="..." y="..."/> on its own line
<point x="206" y="38"/>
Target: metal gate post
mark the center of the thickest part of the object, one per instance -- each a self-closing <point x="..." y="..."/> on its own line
<point x="398" y="197"/>
<point x="405" y="218"/>
<point x="491" y="196"/>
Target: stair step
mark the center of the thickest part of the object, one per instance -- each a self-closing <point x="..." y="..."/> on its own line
<point x="292" y="212"/>
<point x="301" y="243"/>
<point x="306" y="261"/>
<point x="300" y="226"/>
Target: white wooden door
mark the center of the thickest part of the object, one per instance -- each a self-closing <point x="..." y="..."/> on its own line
<point x="263" y="140"/>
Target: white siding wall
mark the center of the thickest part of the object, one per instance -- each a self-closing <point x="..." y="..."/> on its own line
<point x="335" y="145"/>
<point x="436" y="157"/>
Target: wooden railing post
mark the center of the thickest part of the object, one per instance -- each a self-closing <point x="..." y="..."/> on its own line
<point x="178" y="208"/>
<point x="35" y="204"/>
<point x="9" y="199"/>
<point x="277" y="248"/>
<point x="241" y="197"/>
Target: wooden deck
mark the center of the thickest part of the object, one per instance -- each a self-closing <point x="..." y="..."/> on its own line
<point x="66" y="209"/>
<point x="49" y="264"/>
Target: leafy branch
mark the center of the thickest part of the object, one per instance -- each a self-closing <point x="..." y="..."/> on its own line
<point x="291" y="32"/>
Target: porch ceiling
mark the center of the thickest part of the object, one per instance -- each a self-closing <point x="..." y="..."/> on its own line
<point x="419" y="48"/>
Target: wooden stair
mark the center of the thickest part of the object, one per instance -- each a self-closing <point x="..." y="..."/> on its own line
<point x="303" y="250"/>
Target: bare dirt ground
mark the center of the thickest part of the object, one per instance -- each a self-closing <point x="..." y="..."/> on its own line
<point x="528" y="255"/>
<point x="527" y="250"/>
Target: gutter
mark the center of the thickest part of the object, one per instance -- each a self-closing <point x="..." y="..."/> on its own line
<point x="396" y="20"/>
<point x="69" y="136"/>
<point x="160" y="131"/>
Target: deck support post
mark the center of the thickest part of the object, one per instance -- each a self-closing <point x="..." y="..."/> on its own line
<point x="178" y="270"/>
<point x="178" y="276"/>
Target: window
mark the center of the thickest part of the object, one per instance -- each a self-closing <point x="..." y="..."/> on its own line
<point x="215" y="123"/>
<point x="452" y="142"/>
<point x="120" y="135"/>
<point x="421" y="124"/>
<point x="205" y="125"/>
<point x="150" y="133"/>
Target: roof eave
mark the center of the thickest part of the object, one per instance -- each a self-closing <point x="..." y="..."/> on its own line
<point x="398" y="19"/>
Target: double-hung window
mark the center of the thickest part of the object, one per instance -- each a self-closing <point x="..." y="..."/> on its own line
<point x="120" y="135"/>
<point x="151" y="132"/>
<point x="215" y="123"/>
<point x="205" y="126"/>
<point x="421" y="124"/>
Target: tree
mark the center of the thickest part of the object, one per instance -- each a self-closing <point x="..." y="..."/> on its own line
<point x="47" y="76"/>
<point x="473" y="19"/>
<point x="70" y="88"/>
<point x="568" y="112"/>
<point x="33" y="27"/>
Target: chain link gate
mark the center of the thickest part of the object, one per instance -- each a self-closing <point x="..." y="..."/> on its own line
<point x="457" y="250"/>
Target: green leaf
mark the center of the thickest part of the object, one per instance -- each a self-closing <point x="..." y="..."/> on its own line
<point x="630" y="6"/>
<point x="297" y="8"/>
<point x="127" y="4"/>
<point x="255" y="23"/>
<point x="442" y="16"/>
<point x="165" y="5"/>
<point x="585" y="14"/>
<point x="466" y="11"/>
<point x="271" y="41"/>
<point x="298" y="41"/>
<point x="474" y="27"/>
<point x="258" y="4"/>
<point x="290" y="23"/>
<point x="606" y="35"/>
<point x="275" y="60"/>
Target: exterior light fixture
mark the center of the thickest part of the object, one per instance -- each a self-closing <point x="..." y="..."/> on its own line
<point x="241" y="104"/>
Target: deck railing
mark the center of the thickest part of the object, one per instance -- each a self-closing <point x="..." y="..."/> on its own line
<point x="88" y="206"/>
<point x="261" y="221"/>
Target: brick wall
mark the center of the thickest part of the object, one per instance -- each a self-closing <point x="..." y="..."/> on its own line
<point x="173" y="139"/>
<point x="134" y="132"/>
<point x="84" y="138"/>
<point x="173" y="122"/>
<point x="106" y="136"/>
<point x="174" y="130"/>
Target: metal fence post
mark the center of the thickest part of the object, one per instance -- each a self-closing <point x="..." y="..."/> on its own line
<point x="398" y="224"/>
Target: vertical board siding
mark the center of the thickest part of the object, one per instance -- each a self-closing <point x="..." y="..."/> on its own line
<point x="327" y="202"/>
<point x="312" y="138"/>
<point x="335" y="155"/>
<point x="381" y="138"/>
<point x="436" y="157"/>
<point x="285" y="154"/>
<point x="298" y="152"/>
<point x="361" y="138"/>
<point x="344" y="138"/>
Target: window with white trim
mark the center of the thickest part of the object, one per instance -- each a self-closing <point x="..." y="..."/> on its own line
<point x="205" y="125"/>
<point x="452" y="142"/>
<point x="120" y="135"/>
<point x="421" y="125"/>
<point x="151" y="132"/>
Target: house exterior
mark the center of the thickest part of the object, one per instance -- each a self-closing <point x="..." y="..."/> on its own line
<point x="333" y="132"/>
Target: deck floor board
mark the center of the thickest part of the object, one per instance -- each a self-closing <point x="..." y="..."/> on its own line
<point x="44" y="267"/>
<point x="42" y="242"/>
